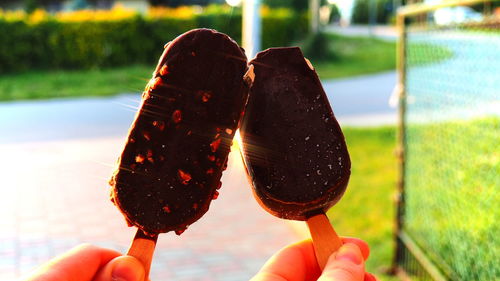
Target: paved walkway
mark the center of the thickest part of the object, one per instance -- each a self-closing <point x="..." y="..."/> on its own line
<point x="53" y="196"/>
<point x="357" y="101"/>
<point x="57" y="157"/>
<point x="363" y="100"/>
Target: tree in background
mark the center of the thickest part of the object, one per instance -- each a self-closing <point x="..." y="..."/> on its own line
<point x="50" y="5"/>
<point x="101" y="4"/>
<point x="176" y="3"/>
<point x="361" y="11"/>
<point x="334" y="14"/>
<point x="297" y="5"/>
<point x="31" y="5"/>
<point x="79" y="4"/>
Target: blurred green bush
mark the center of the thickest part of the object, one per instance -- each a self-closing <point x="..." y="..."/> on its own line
<point x="88" y="40"/>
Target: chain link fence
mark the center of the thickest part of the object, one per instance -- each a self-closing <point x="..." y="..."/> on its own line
<point x="449" y="206"/>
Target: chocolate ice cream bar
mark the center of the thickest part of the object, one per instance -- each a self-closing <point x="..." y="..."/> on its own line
<point x="293" y="148"/>
<point x="179" y="142"/>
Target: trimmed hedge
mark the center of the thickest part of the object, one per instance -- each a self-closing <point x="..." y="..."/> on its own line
<point x="52" y="44"/>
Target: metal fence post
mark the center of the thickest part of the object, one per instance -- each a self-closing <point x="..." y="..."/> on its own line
<point x="400" y="148"/>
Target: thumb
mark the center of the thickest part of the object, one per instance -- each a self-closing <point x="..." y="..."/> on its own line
<point x="346" y="264"/>
<point x="122" y="268"/>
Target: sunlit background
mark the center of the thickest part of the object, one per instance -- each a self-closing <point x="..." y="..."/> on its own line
<point x="71" y="74"/>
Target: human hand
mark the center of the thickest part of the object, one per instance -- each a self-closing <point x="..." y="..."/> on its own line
<point x="90" y="263"/>
<point x="297" y="262"/>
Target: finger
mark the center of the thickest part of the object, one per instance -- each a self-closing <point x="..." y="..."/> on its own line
<point x="363" y="246"/>
<point x="346" y="265"/>
<point x="79" y="264"/>
<point x="296" y="262"/>
<point x="123" y="268"/>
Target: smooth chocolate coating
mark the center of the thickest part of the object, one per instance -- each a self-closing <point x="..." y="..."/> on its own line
<point x="178" y="145"/>
<point x="293" y="148"/>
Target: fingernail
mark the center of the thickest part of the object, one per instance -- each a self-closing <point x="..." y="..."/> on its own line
<point x="350" y="252"/>
<point x="126" y="270"/>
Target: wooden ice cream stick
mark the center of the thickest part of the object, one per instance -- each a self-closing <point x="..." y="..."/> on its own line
<point x="325" y="239"/>
<point x="142" y="248"/>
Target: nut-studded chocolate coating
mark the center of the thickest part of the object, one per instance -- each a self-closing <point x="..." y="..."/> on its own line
<point x="178" y="145"/>
<point x="293" y="148"/>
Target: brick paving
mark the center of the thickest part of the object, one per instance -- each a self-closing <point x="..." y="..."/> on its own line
<point x="54" y="195"/>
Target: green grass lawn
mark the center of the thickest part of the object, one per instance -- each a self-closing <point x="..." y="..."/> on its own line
<point x="61" y="84"/>
<point x="367" y="209"/>
<point x="356" y="56"/>
<point x="421" y="54"/>
<point x="366" y="55"/>
<point x="453" y="199"/>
